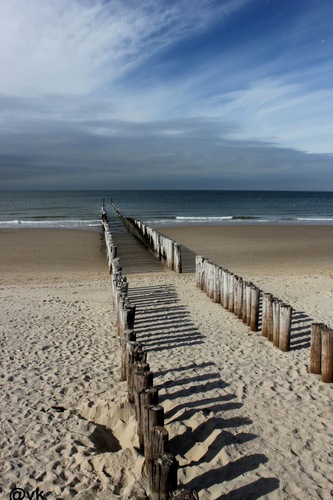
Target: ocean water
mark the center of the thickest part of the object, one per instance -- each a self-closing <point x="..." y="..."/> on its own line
<point x="81" y="209"/>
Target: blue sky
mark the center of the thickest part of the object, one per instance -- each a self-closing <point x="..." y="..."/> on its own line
<point x="174" y="94"/>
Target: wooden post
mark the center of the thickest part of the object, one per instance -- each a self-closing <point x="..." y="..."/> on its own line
<point x="248" y="302"/>
<point x="276" y="322"/>
<point x="128" y="317"/>
<point x="217" y="285"/>
<point x="240" y="298"/>
<point x="225" y="288"/>
<point x="236" y="303"/>
<point x="266" y="306"/>
<point x="162" y="476"/>
<point x="285" y="327"/>
<point x="153" y="415"/>
<point x="231" y="293"/>
<point x="221" y="275"/>
<point x="327" y="355"/>
<point x="159" y="439"/>
<point x="269" y="315"/>
<point x="137" y="355"/>
<point x="199" y="271"/>
<point x="120" y="311"/>
<point x="315" y="348"/>
<point x="244" y="303"/>
<point x="254" y="315"/>
<point x="143" y="398"/>
<point x="128" y="336"/>
<point x="177" y="259"/>
<point x="205" y="276"/>
<point x="129" y="348"/>
<point x="171" y="245"/>
<point x="142" y="377"/>
<point x="211" y="284"/>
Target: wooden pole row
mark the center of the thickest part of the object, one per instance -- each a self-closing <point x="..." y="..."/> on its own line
<point x="111" y="248"/>
<point x="163" y="248"/>
<point x="229" y="290"/>
<point x="161" y="467"/>
<point x="321" y="351"/>
<point x="276" y="321"/>
<point x="243" y="299"/>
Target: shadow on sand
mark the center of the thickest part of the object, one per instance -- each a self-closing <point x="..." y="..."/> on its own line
<point x="161" y="324"/>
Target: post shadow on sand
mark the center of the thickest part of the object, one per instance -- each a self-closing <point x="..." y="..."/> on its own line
<point x="253" y="491"/>
<point x="154" y="314"/>
<point x="160" y="323"/>
<point x="228" y="472"/>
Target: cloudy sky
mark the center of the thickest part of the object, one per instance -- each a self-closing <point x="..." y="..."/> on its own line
<point x="185" y="94"/>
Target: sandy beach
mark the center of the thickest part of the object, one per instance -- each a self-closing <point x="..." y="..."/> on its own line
<point x="244" y="419"/>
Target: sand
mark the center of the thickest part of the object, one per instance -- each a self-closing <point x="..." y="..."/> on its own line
<point x="245" y="420"/>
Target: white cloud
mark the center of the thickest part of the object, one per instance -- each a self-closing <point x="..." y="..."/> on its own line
<point x="77" y="88"/>
<point x="75" y="47"/>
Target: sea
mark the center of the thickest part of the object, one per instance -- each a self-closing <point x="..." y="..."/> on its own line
<point x="81" y="209"/>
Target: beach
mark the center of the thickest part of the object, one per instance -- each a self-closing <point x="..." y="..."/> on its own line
<point x="245" y="420"/>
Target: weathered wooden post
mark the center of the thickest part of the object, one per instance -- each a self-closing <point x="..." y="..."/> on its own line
<point x="270" y="319"/>
<point x="120" y="301"/>
<point x="128" y="336"/>
<point x="162" y="475"/>
<point x="315" y="348"/>
<point x="211" y="290"/>
<point x="148" y="396"/>
<point x="199" y="271"/>
<point x="236" y="295"/>
<point x="244" y="303"/>
<point x="159" y="441"/>
<point x="266" y="307"/>
<point x="128" y="316"/>
<point x="285" y="327"/>
<point x="142" y="377"/>
<point x="170" y="254"/>
<point x="240" y="298"/>
<point x="225" y="273"/>
<point x="248" y="302"/>
<point x="205" y="276"/>
<point x="137" y="355"/>
<point x="221" y="271"/>
<point x="231" y="292"/>
<point x="216" y="284"/>
<point x="177" y="258"/>
<point x="153" y="415"/>
<point x="327" y="355"/>
<point x="276" y="322"/>
<point x="130" y="346"/>
<point x="254" y="315"/>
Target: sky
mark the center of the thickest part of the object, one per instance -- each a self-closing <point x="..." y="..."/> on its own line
<point x="166" y="94"/>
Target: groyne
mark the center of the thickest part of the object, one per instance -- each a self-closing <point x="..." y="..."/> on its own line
<point x="163" y="248"/>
